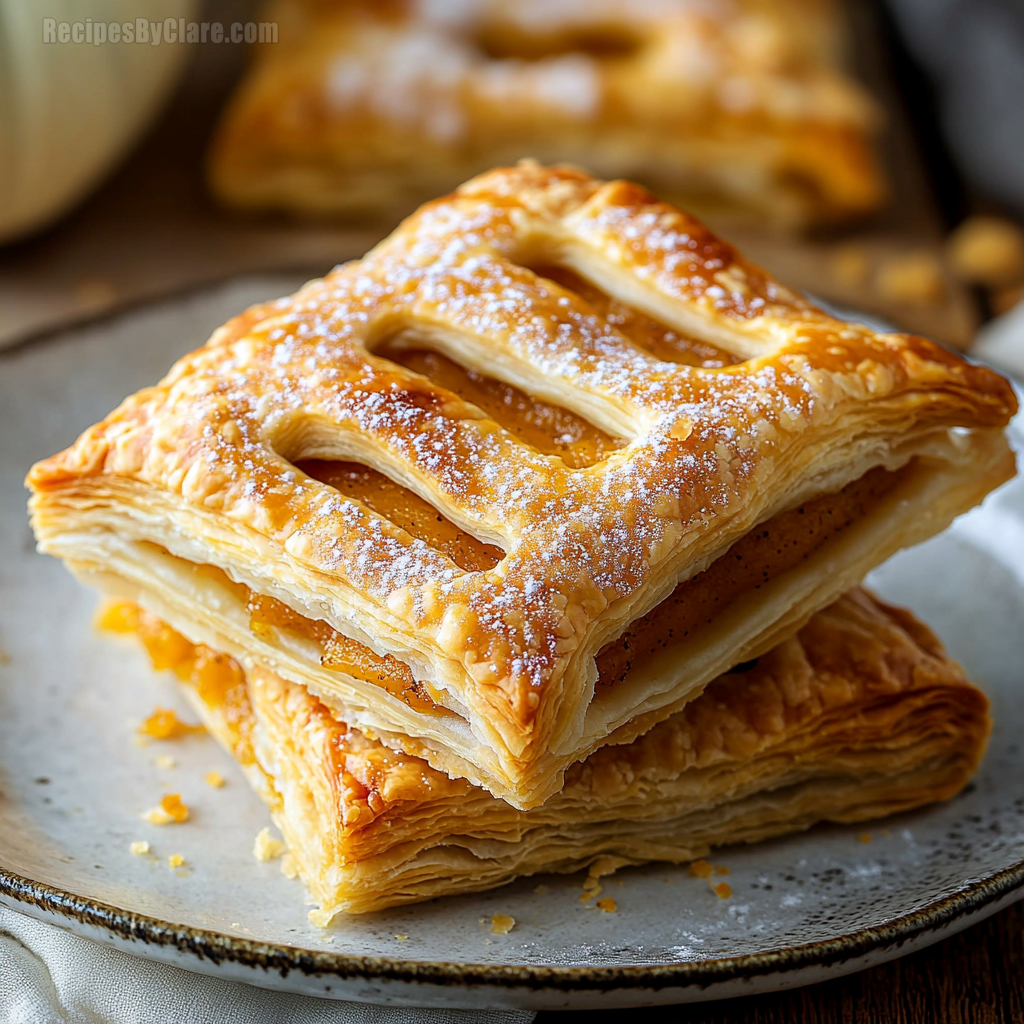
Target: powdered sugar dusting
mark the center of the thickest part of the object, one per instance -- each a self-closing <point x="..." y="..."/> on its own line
<point x="301" y="381"/>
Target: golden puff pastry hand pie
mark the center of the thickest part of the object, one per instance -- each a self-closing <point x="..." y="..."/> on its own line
<point x="551" y="429"/>
<point x="739" y="106"/>
<point x="860" y="715"/>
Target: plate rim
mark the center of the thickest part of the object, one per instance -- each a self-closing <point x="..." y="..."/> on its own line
<point x="220" y="948"/>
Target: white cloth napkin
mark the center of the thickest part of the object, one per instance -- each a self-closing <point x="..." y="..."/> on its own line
<point x="49" y="976"/>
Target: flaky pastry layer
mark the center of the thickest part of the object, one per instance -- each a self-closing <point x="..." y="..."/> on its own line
<point x="718" y="401"/>
<point x="739" y="105"/>
<point x="860" y="715"/>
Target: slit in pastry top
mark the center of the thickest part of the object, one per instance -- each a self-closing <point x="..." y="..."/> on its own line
<point x="405" y="509"/>
<point x="501" y="40"/>
<point x="548" y="428"/>
<point x="644" y="331"/>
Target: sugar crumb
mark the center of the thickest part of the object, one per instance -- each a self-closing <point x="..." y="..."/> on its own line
<point x="723" y="890"/>
<point x="170" y="810"/>
<point x="214" y="779"/>
<point x="140" y="848"/>
<point x="592" y="887"/>
<point x="700" y="869"/>
<point x="502" y="924"/>
<point x="266" y="847"/>
<point x="402" y="938"/>
<point x="164" y="724"/>
<point x="175" y="860"/>
<point x="165" y="761"/>
<point x="608" y="905"/>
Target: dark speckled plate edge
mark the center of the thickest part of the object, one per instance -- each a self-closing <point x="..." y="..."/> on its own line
<point x="218" y="948"/>
<point x="970" y="901"/>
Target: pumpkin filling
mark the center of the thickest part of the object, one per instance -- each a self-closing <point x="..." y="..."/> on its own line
<point x="776" y="546"/>
<point x="770" y="549"/>
<point x="550" y="429"/>
<point x="646" y="333"/>
<point x="405" y="509"/>
<point x="217" y="678"/>
<point x="553" y="429"/>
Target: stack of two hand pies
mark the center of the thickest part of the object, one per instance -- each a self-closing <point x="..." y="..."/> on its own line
<point x="532" y="540"/>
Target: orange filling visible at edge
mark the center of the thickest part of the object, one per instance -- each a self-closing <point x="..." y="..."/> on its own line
<point x="777" y="545"/>
<point x="217" y="678"/>
<point x="341" y="653"/>
<point x="772" y="548"/>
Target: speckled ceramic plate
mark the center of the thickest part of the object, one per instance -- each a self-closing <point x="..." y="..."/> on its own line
<point x="73" y="784"/>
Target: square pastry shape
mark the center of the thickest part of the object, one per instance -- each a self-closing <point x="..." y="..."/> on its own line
<point x="645" y="453"/>
<point x="860" y="715"/>
<point x="740" y="106"/>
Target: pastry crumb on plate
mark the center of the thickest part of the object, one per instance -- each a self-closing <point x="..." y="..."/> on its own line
<point x="164" y="724"/>
<point x="502" y="924"/>
<point x="266" y="847"/>
<point x="170" y="810"/>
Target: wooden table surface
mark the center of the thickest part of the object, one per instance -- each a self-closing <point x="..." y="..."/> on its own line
<point x="152" y="229"/>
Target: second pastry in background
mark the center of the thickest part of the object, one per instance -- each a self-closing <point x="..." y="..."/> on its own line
<point x="732" y="107"/>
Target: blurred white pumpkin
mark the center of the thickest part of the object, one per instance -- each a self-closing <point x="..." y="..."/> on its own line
<point x="68" y="111"/>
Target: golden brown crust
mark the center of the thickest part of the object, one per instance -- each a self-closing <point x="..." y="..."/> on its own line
<point x="372" y="108"/>
<point x="861" y="714"/>
<point x="204" y="463"/>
